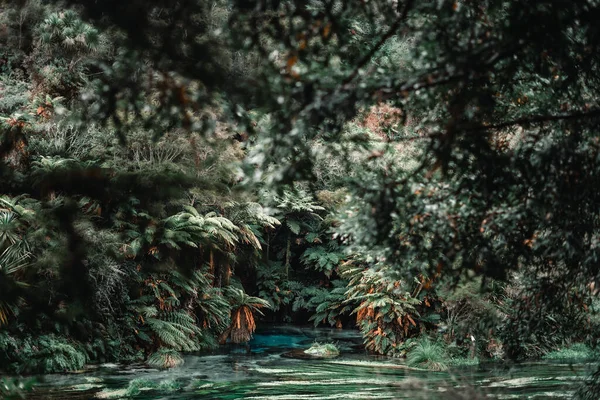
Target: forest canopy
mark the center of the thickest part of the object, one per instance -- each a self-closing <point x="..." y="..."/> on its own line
<point x="173" y="170"/>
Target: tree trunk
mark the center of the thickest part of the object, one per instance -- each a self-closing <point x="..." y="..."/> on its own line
<point x="287" y="256"/>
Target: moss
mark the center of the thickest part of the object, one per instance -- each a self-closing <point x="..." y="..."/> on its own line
<point x="325" y="350"/>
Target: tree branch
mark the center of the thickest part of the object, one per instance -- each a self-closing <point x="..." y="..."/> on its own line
<point x="537" y="119"/>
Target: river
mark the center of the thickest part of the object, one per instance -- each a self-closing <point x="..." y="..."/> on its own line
<point x="260" y="373"/>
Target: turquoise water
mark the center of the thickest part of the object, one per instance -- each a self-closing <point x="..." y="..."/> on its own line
<point x="259" y="372"/>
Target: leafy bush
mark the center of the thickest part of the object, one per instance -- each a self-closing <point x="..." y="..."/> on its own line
<point x="534" y="328"/>
<point x="45" y="354"/>
<point x="326" y="304"/>
<point x="323" y="258"/>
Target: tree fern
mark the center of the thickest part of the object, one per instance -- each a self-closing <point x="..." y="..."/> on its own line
<point x="9" y="228"/>
<point x="56" y="355"/>
<point x="176" y="329"/>
<point x="242" y="317"/>
<point x="213" y="310"/>
<point x="192" y="229"/>
<point x="251" y="219"/>
<point x="165" y="358"/>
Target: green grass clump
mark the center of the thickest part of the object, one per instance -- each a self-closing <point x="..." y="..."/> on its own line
<point x="428" y="355"/>
<point x="575" y="351"/>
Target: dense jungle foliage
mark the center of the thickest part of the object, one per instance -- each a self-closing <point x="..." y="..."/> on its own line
<point x="175" y="173"/>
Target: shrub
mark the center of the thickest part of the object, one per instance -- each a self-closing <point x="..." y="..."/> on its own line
<point x="44" y="355"/>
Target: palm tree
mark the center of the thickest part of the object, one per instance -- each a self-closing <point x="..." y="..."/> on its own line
<point x="13" y="222"/>
<point x="14" y="256"/>
<point x="242" y="317"/>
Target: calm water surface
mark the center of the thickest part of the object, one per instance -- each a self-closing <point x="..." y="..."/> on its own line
<point x="261" y="373"/>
